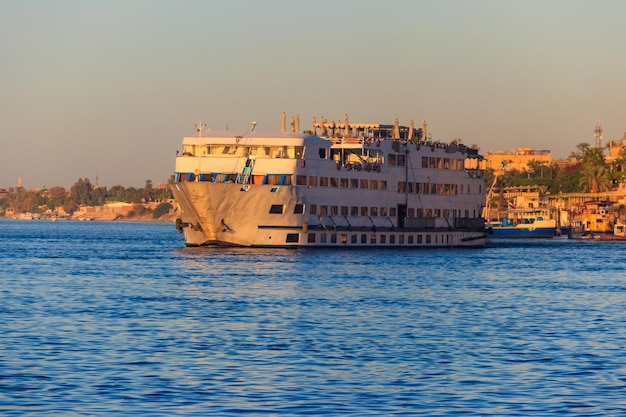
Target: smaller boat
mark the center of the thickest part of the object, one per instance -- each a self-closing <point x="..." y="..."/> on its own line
<point x="521" y="224"/>
<point x="594" y="220"/>
<point x="527" y="216"/>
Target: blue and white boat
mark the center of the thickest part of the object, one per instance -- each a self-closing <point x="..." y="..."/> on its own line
<point x="521" y="224"/>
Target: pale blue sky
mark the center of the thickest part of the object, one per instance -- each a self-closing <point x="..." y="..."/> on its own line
<point x="111" y="87"/>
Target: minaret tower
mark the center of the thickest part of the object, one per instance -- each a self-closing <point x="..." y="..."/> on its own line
<point x="597" y="135"/>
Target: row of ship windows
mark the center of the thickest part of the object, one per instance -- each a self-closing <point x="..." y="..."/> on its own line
<point x="369" y="238"/>
<point x="313" y="181"/>
<point x="363" y="183"/>
<point x="429" y="162"/>
<point x="368" y="211"/>
<point x="298" y="151"/>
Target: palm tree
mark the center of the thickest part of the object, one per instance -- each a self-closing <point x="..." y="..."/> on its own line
<point x="595" y="178"/>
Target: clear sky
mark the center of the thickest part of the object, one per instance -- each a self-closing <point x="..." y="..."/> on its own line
<point x="109" y="88"/>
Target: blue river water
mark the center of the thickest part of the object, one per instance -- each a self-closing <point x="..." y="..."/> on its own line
<point x="100" y="319"/>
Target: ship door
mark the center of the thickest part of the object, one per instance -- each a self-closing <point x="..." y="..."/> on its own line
<point x="401" y="215"/>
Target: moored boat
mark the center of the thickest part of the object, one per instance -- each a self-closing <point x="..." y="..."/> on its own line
<point x="527" y="217"/>
<point x="521" y="224"/>
<point x="594" y="220"/>
<point x="339" y="184"/>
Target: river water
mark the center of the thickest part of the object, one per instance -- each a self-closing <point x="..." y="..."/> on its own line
<point x="100" y="319"/>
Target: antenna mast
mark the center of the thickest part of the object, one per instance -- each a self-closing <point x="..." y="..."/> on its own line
<point x="597" y="135"/>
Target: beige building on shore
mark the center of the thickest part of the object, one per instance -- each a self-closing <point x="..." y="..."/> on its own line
<point x="517" y="159"/>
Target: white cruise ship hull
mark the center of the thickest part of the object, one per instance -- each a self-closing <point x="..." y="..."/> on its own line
<point x="220" y="214"/>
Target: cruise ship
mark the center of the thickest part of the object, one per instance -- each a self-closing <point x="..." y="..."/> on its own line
<point x="339" y="184"/>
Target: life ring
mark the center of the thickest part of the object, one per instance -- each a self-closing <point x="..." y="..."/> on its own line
<point x="302" y="163"/>
<point x="378" y="142"/>
<point x="369" y="141"/>
<point x="377" y="168"/>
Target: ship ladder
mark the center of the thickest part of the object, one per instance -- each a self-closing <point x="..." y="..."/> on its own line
<point x="245" y="175"/>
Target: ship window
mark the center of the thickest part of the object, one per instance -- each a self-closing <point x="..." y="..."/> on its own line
<point x="353" y="238"/>
<point x="322" y="153"/>
<point x="428" y="239"/>
<point x="446" y="163"/>
<point x="429" y="213"/>
<point x="432" y="162"/>
<point x="401" y="160"/>
<point x="298" y="209"/>
<point x="409" y="187"/>
<point x="419" y="213"/>
<point x="272" y="179"/>
<point x="274" y="190"/>
<point x="354" y="211"/>
<point x="292" y="238"/>
<point x="333" y="238"/>
<point x="437" y="213"/>
<point x="276" y="209"/>
<point x="401" y="239"/>
<point x="354" y="183"/>
<point x="343" y="238"/>
<point x="323" y="181"/>
<point x="424" y="162"/>
<point x="373" y="238"/>
<point x="344" y="210"/>
<point x="311" y="238"/>
<point x="363" y="238"/>
<point x="374" y="211"/>
<point x="383" y="211"/>
<point x="382" y="184"/>
<point x="286" y="180"/>
<point x="313" y="181"/>
<point x="383" y="239"/>
<point x="410" y="239"/>
<point x="323" y="238"/>
<point x="300" y="179"/>
<point x="446" y="213"/>
<point x="313" y="209"/>
<point x="364" y="211"/>
<point x="391" y="160"/>
<point x="373" y="184"/>
<point x="410" y="213"/>
<point x="344" y="182"/>
<point x="401" y="186"/>
<point x="334" y="210"/>
<point x="365" y="184"/>
<point x="419" y="238"/>
<point x="439" y="163"/>
<point x="323" y="210"/>
<point x="334" y="182"/>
